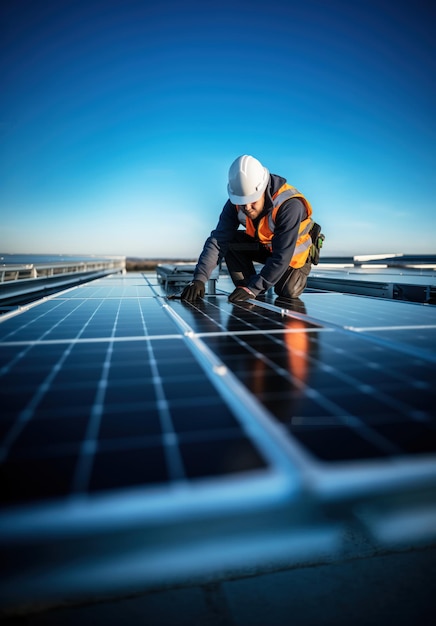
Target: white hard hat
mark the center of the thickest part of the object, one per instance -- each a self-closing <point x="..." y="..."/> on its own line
<point x="248" y="179"/>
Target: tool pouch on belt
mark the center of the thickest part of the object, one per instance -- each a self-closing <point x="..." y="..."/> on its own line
<point x="317" y="241"/>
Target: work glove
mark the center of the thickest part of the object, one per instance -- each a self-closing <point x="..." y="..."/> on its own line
<point x="194" y="290"/>
<point x="240" y="294"/>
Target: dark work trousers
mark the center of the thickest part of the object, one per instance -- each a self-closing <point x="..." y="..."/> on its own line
<point x="243" y="250"/>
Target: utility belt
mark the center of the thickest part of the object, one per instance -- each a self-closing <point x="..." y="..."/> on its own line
<point x="317" y="241"/>
<point x="255" y="246"/>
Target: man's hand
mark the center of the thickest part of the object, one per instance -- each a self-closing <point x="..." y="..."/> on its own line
<point x="194" y="290"/>
<point x="240" y="294"/>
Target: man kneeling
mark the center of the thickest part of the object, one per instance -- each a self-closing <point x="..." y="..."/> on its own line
<point x="278" y="233"/>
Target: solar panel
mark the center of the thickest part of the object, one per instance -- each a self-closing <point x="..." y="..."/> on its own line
<point x="400" y="277"/>
<point x="123" y="410"/>
<point x="363" y="392"/>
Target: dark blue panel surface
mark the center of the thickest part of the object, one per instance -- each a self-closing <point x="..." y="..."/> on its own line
<point x="106" y="415"/>
<point x="101" y="378"/>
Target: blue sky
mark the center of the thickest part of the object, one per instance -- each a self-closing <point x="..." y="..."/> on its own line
<point x="119" y="120"/>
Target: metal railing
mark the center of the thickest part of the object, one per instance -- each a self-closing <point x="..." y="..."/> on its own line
<point x="43" y="270"/>
<point x="21" y="280"/>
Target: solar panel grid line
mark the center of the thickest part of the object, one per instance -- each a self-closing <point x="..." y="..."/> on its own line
<point x="367" y="330"/>
<point x="426" y="311"/>
<point x="253" y="331"/>
<point x="89" y="445"/>
<point x="85" y="340"/>
<point x="171" y="447"/>
<point x="115" y="297"/>
<point x="92" y="292"/>
<point x="368" y="308"/>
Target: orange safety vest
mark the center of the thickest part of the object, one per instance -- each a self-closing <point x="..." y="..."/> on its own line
<point x="266" y="226"/>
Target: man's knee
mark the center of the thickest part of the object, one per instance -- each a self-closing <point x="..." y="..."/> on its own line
<point x="294" y="281"/>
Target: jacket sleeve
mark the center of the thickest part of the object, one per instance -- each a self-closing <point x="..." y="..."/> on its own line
<point x="217" y="243"/>
<point x="287" y="224"/>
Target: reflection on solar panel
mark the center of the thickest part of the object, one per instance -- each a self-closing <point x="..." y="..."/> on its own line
<point x="147" y="433"/>
<point x="342" y="395"/>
